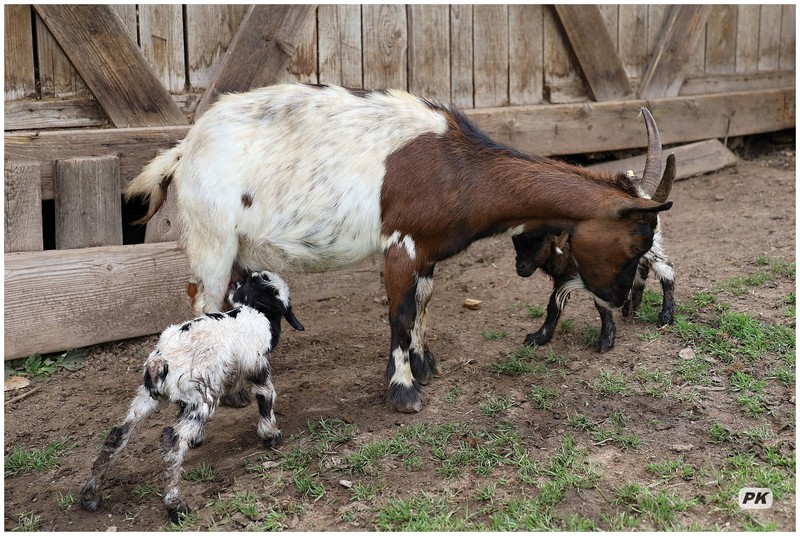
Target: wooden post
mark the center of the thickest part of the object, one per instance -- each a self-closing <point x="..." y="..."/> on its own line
<point x="23" y="206"/>
<point x="88" y="203"/>
<point x="164" y="225"/>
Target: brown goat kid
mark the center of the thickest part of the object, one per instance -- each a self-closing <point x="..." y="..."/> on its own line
<point x="315" y="178"/>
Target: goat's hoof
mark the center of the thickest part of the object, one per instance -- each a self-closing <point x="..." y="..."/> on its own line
<point x="90" y="499"/>
<point x="405" y="399"/>
<point x="627" y="310"/>
<point x="604" y="346"/>
<point x="196" y="442"/>
<point x="665" y="318"/>
<point x="236" y="400"/>
<point x="424" y="368"/>
<point x="178" y="513"/>
<point x="536" y="339"/>
<point x="274" y="441"/>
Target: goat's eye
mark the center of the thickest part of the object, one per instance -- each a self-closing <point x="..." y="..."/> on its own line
<point x="637" y="250"/>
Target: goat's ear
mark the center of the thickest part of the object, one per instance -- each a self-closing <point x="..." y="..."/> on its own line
<point x="633" y="207"/>
<point x="292" y="320"/>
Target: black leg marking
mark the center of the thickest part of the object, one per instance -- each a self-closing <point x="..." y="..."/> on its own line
<point x="545" y="333"/>
<point x="608" y="329"/>
<point x="668" y="306"/>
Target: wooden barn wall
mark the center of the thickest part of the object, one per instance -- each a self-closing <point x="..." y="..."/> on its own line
<point x="475" y="56"/>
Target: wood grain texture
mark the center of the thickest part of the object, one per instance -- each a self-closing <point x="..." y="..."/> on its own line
<point x="57" y="77"/>
<point x="721" y="40"/>
<point x="734" y="82"/>
<point x="747" y="29"/>
<point x="632" y="39"/>
<point x="788" y="36"/>
<point x="429" y="51"/>
<point x="23" y="206"/>
<point x="562" y="81"/>
<point x="490" y="27"/>
<point x="260" y="51"/>
<point x="88" y="206"/>
<point x="19" y="75"/>
<point x="58" y="300"/>
<point x="692" y="159"/>
<point x="670" y="61"/>
<point x="52" y="113"/>
<point x="135" y="147"/>
<point x="165" y="225"/>
<point x="462" y="89"/>
<point x="209" y="31"/>
<point x="303" y="67"/>
<point x="94" y="39"/>
<point x="769" y="38"/>
<point x="385" y="46"/>
<point x="525" y="37"/>
<point x="340" y="45"/>
<point x="594" y="50"/>
<point x="161" y="39"/>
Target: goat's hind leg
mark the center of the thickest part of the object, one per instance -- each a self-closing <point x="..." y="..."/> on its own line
<point x="264" y="392"/>
<point x="116" y="440"/>
<point x="423" y="362"/>
<point x="637" y="291"/>
<point x="608" y="329"/>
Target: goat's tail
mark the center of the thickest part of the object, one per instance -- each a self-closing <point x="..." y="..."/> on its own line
<point x="153" y="181"/>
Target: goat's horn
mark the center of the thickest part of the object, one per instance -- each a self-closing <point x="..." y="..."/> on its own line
<point x="651" y="177"/>
<point x="664" y="189"/>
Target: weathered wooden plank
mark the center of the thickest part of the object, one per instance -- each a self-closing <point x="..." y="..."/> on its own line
<point x="633" y="39"/>
<point x="721" y="40"/>
<point x="692" y="159"/>
<point x="87" y="202"/>
<point x="209" y="31"/>
<point x="164" y="226"/>
<point x="134" y="147"/>
<point x="58" y="300"/>
<point x="161" y="38"/>
<point x="303" y="67"/>
<point x="769" y="38"/>
<point x="589" y="127"/>
<point x="385" y="46"/>
<point x="20" y="79"/>
<point x="725" y="83"/>
<point x="788" y="38"/>
<point x="57" y="77"/>
<point x="23" y="207"/>
<point x="610" y="14"/>
<point x="525" y="74"/>
<point x="462" y="93"/>
<point x="544" y="129"/>
<point x="562" y="83"/>
<point x="667" y="68"/>
<point x="94" y="39"/>
<point x="340" y="45"/>
<point x="747" y="24"/>
<point x="490" y="27"/>
<point x="127" y="14"/>
<point x="429" y="51"/>
<point x="260" y="51"/>
<point x="594" y="50"/>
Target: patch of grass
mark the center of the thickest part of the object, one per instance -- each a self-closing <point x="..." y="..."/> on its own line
<point x="661" y="506"/>
<point x="65" y="501"/>
<point x="306" y="485"/>
<point x="452" y="395"/>
<point x="494" y="335"/>
<point x="589" y="335"/>
<point x="185" y="522"/>
<point x="566" y="326"/>
<point x="145" y="490"/>
<point x="28" y="522"/>
<point x="201" y="473"/>
<point x="543" y="397"/>
<point x="21" y="460"/>
<point x="654" y="382"/>
<point x="363" y="492"/>
<point x="720" y="434"/>
<point x="493" y="405"/>
<point x="669" y="469"/>
<point x="650" y="307"/>
<point x="554" y="358"/>
<point x="749" y="390"/>
<point x="423" y="513"/>
<point x="330" y="431"/>
<point x="43" y="366"/>
<point x="534" y="311"/>
<point x="243" y="502"/>
<point x="609" y="383"/>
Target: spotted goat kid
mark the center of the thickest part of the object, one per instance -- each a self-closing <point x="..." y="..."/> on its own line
<point x="193" y="365"/>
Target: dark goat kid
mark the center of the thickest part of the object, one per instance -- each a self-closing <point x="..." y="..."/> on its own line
<point x="325" y="177"/>
<point x="552" y="253"/>
<point x="193" y="365"/>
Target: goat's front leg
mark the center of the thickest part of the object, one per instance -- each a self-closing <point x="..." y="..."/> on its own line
<point x="423" y="362"/>
<point x="264" y="392"/>
<point x="666" y="274"/>
<point x="608" y="329"/>
<point x="116" y="440"/>
<point x="545" y="333"/>
<point x="637" y="291"/>
<point x="401" y="288"/>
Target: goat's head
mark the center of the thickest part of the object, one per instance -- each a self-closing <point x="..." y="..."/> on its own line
<point x="539" y="249"/>
<point x="267" y="293"/>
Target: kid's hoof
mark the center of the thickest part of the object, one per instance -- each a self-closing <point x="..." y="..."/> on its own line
<point x="537" y="339"/>
<point x="423" y="369"/>
<point x="90" y="499"/>
<point x="176" y="514"/>
<point x="604" y="346"/>
<point x="274" y="441"/>
<point x="236" y="400"/>
<point x="406" y="399"/>
<point x="665" y="318"/>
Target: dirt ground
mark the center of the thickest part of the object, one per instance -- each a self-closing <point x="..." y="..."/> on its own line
<point x="719" y="225"/>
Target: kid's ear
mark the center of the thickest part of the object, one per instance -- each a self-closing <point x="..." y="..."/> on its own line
<point x="293" y="321"/>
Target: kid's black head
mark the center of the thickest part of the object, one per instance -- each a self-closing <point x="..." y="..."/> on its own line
<point x="267" y="293"/>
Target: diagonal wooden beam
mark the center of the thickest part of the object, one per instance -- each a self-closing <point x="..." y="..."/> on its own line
<point x="94" y="39"/>
<point x="260" y="51"/>
<point x="596" y="54"/>
<point x="667" y="67"/>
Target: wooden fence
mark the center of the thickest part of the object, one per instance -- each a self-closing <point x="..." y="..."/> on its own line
<point x="92" y="92"/>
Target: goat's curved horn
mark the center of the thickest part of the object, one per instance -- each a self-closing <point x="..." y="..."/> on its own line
<point x="651" y="177"/>
<point x="662" y="194"/>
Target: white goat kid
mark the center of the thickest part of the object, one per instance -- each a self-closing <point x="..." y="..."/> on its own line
<point x="193" y="365"/>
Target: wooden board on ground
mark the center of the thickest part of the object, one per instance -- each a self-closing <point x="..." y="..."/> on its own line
<point x="58" y="300"/>
<point x="692" y="159"/>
